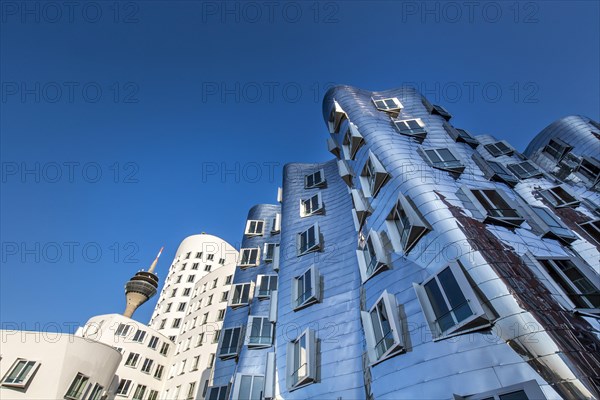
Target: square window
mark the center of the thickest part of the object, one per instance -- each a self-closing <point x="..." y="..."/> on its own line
<point x="352" y="141"/>
<point x="140" y="390"/>
<point x="557" y="149"/>
<point x="309" y="240"/>
<point x="249" y="257"/>
<point x="390" y="105"/>
<point x="199" y="254"/>
<point x="254" y="227"/>
<point x="443" y="159"/>
<point x="260" y="332"/>
<point x="122" y="330"/>
<point x="373" y="176"/>
<point x="269" y="251"/>
<point x="498" y="149"/>
<point x="240" y="295"/>
<point x="306" y="288"/>
<point x="383" y="329"/>
<point x="525" y="170"/>
<point x="77" y="387"/>
<point x="314" y="180"/>
<point x="592" y="228"/>
<point x="195" y="266"/>
<point x="559" y="197"/>
<point x="371" y="256"/>
<point x="153" y="342"/>
<point x="411" y="127"/>
<point x="190" y="278"/>
<point x="221" y="261"/>
<point x="207" y="267"/>
<point x="311" y="206"/>
<point x="147" y="366"/>
<point x="301" y="365"/>
<point x="248" y="387"/>
<point x="265" y="285"/>
<point x="405" y="225"/>
<point x="97" y="391"/>
<point x="187" y="291"/>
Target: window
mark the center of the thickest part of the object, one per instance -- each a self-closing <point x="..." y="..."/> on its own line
<point x="248" y="387"/>
<point x="240" y="295"/>
<point x="200" y="339"/>
<point x="164" y="349"/>
<point x="204" y="318"/>
<point x="590" y="169"/>
<point x="195" y="363"/>
<point x="551" y="226"/>
<point x="97" y="392"/>
<point x="494" y="171"/>
<point x="345" y="172"/>
<point x="230" y="343"/>
<point x="557" y="149"/>
<point x="178" y="280"/>
<point x="20" y="373"/>
<point x="352" y="142"/>
<point x="183" y="266"/>
<point x="260" y="332"/>
<point x="250" y="257"/>
<point x="173" y="292"/>
<point x="190" y="278"/>
<point x="316" y="179"/>
<point x="524" y="391"/>
<point x="163" y="323"/>
<point x="371" y="256"/>
<point x="122" y="330"/>
<point x="186" y="291"/>
<point x="311" y="206"/>
<point x="139" y="336"/>
<point x="383" y="329"/>
<point x="493" y="206"/>
<point x="210" y="257"/>
<point x="228" y="279"/>
<point x="443" y="159"/>
<point x="124" y="386"/>
<point x="191" y="391"/>
<point x="217" y="393"/>
<point x="221" y="315"/>
<point x="360" y="208"/>
<point x="207" y="267"/>
<point x="405" y="225"/>
<point x="461" y="135"/>
<point x="153" y="395"/>
<point x="224" y="296"/>
<point x="153" y="342"/>
<point x="132" y="359"/>
<point x="592" y="228"/>
<point x="140" y="390"/>
<point x="176" y="323"/>
<point x="450" y="304"/>
<point x="168" y="309"/>
<point x="390" y="105"/>
<point x="199" y="254"/>
<point x="411" y="127"/>
<point x="254" y="227"/>
<point x="269" y="251"/>
<point x="373" y="176"/>
<point x="215" y="283"/>
<point x="147" y="366"/>
<point x="276" y="224"/>
<point x="499" y="149"/>
<point x="301" y="366"/>
<point x="525" y="170"/>
<point x="336" y="117"/>
<point x="578" y="282"/>
<point x="265" y="284"/>
<point x="306" y="288"/>
<point x="559" y="197"/>
<point x="181" y="307"/>
<point x="309" y="240"/>
<point x="211" y="360"/>
<point x="77" y="387"/>
<point x="209" y="300"/>
<point x="159" y="371"/>
<point x="188" y="255"/>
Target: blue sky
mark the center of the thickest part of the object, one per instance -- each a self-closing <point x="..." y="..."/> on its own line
<point x="131" y="127"/>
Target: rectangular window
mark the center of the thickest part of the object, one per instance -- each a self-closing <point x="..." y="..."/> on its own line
<point x="187" y="291"/>
<point x="190" y="278"/>
<point x="577" y="282"/>
<point x="345" y="172"/>
<point x="311" y="206"/>
<point x="411" y="127"/>
<point x="336" y="117"/>
<point x="352" y="142"/>
<point x="383" y="329"/>
<point x="195" y="363"/>
<point x="301" y="366"/>
<point x="122" y="330"/>
<point x="96" y="392"/>
<point x="188" y="255"/>
<point x="221" y="261"/>
<point x="77" y="387"/>
<point x="178" y="280"/>
<point x="525" y="170"/>
<point x="461" y="135"/>
<point x="153" y="342"/>
<point x="240" y="295"/>
<point x="316" y="179"/>
<point x="390" y="105"/>
<point x="260" y="332"/>
<point x="191" y="391"/>
<point x="228" y="279"/>
<point x="249" y="257"/>
<point x="248" y="387"/>
<point x="163" y="323"/>
<point x="200" y="339"/>
<point x="559" y="197"/>
<point x="140" y="390"/>
<point x="124" y="386"/>
<point x="495" y="171"/>
<point x="495" y="206"/>
<point x="147" y="366"/>
<point x="443" y="159"/>
<point x="210" y="257"/>
<point x="557" y="149"/>
<point x="306" y="288"/>
<point x="221" y="315"/>
<point x="199" y="254"/>
<point x="158" y="373"/>
<point x="20" y="373"/>
<point x="181" y="307"/>
<point x="405" y="225"/>
<point x="529" y="390"/>
<point x="153" y="395"/>
<point x="276" y="225"/>
<point x="373" y="176"/>
<point x="139" y="336"/>
<point x="183" y="266"/>
<point x="551" y="225"/>
<point x="204" y="318"/>
<point x="592" y="228"/>
<point x="269" y="251"/>
<point x="164" y="349"/>
<point x="211" y="360"/>
<point x="176" y="323"/>
<point x="265" y="284"/>
<point x="224" y="296"/>
<point x="217" y="393"/>
<point x="371" y="256"/>
<point x="132" y="359"/>
<point x="195" y="266"/>
<point x="254" y="227"/>
<point x="209" y="300"/>
<point x="449" y="303"/>
<point x="207" y="267"/>
<point x="590" y="169"/>
<point x="230" y="342"/>
<point x="309" y="240"/>
<point x="360" y="208"/>
<point x="499" y="149"/>
<point x="173" y="292"/>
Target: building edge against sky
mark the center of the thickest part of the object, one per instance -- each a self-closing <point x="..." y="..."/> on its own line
<point x="421" y="262"/>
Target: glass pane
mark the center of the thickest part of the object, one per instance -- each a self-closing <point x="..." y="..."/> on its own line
<point x="454" y="294"/>
<point x="518" y="395"/>
<point x="440" y="308"/>
<point x="245" y="387"/>
<point x="257" y="388"/>
<point x="446" y="155"/>
<point x="390" y="103"/>
<point x="433" y="156"/>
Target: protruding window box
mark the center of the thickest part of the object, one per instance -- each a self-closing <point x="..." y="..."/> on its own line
<point x="360" y="208"/>
<point x="301" y="363"/>
<point x="247" y="387"/>
<point x="373" y="176"/>
<point x="460" y="135"/>
<point x="276" y="224"/>
<point x="336" y="117"/>
<point x="557" y="149"/>
<point x="589" y="168"/>
<point x="435" y="109"/>
<point x="312" y="205"/>
<point x="390" y="105"/>
<point x="372" y="257"/>
<point x="443" y="159"/>
<point x="254" y="228"/>
<point x="306" y="288"/>
<point x="240" y="295"/>
<point x="20" y="373"/>
<point x="559" y="197"/>
<point x="411" y="127"/>
<point x="353" y="141"/>
<point x="259" y="332"/>
<point x="345" y="172"/>
<point x="333" y="148"/>
<point x="265" y="285"/>
<point x="495" y="171"/>
<point x="383" y="329"/>
<point x="551" y="226"/>
<point x="592" y="228"/>
<point x="315" y="180"/>
<point x="492" y="206"/>
<point x="525" y="170"/>
<point x="269" y="251"/>
<point x="230" y="343"/>
<point x="500" y="148"/>
<point x="309" y="240"/>
<point x="405" y="225"/>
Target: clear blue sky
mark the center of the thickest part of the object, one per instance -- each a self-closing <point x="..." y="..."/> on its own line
<point x="126" y="114"/>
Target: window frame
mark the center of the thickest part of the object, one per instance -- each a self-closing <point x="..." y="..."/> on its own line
<point x="556" y="231"/>
<point x="268" y="254"/>
<point x="237" y="386"/>
<point x="222" y="392"/>
<point x="78" y="386"/>
<point x="485" y="213"/>
<point x="372" y="257"/>
<point x="594" y="231"/>
<point x="531" y="388"/>
<point x="333" y="147"/>
<point x="589" y="173"/>
<point x="310" y="353"/>
<point x="314" y="296"/>
<point x="495" y="151"/>
<point x="418" y="133"/>
<point x="310" y="247"/>
<point x="233" y="347"/>
<point x="361" y="208"/>
<point x="390" y="306"/>
<point x="417" y="228"/>
<point x="276" y="228"/>
<point x="255" y="232"/>
<point x="373" y="176"/>
<point x="315" y="184"/>
<point x="559" y="151"/>
<point x="352" y="141"/>
<point x="126" y="385"/>
<point x="246" y="262"/>
<point x="306" y="205"/>
<point x="336" y="117"/>
<point x="560" y="197"/>
<point x="264" y="322"/>
<point x="495" y="171"/>
<point x="444" y="165"/>
<point x="147" y="366"/>
<point x="520" y="171"/>
<point x="24" y="380"/>
<point x="260" y="279"/>
<point x="243" y="290"/>
<point x="394" y="111"/>
<point x="132" y="359"/>
<point x="460" y="135"/>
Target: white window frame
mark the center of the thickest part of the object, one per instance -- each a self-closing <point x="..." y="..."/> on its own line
<point x="123" y="329"/>
<point x="495" y="171"/>
<point x="496" y="151"/>
<point x="237" y="386"/>
<point x="488" y="215"/>
<point x="132" y="359"/>
<point x="373" y="176"/>
<point x="531" y="388"/>
<point x="265" y="339"/>
<point x="269" y="251"/>
<point x="345" y="172"/>
<point x="388" y="302"/>
<point x="393" y="110"/>
<point x="371" y="256"/>
<point x="310" y="246"/>
<point x="588" y="174"/>
<point x="456" y="165"/>
<point x="140" y="391"/>
<point x="360" y="208"/>
<point x="352" y="142"/>
<point x="158" y="372"/>
<point x="246" y="257"/>
<point x="276" y="224"/>
<point x="336" y="117"/>
<point x="417" y="225"/>
<point x="315" y="184"/>
<point x="402" y="126"/>
<point x="557" y="149"/>
<point x="254" y="231"/>
<point x="593" y="231"/>
<point x="139" y="336"/>
<point x="306" y="205"/>
<point x="309" y="298"/>
<point x="97" y="391"/>
<point x="478" y="319"/>
<point x="333" y="147"/>
<point x="242" y="303"/>
<point x="519" y="170"/>
<point x="79" y="385"/>
<point x="269" y="279"/>
<point x="557" y="230"/>
<point x="22" y="380"/>
<point x="310" y="354"/>
<point x="222" y="392"/>
<point x="233" y="347"/>
<point x="126" y="386"/>
<point x="558" y="197"/>
<point x="147" y="365"/>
